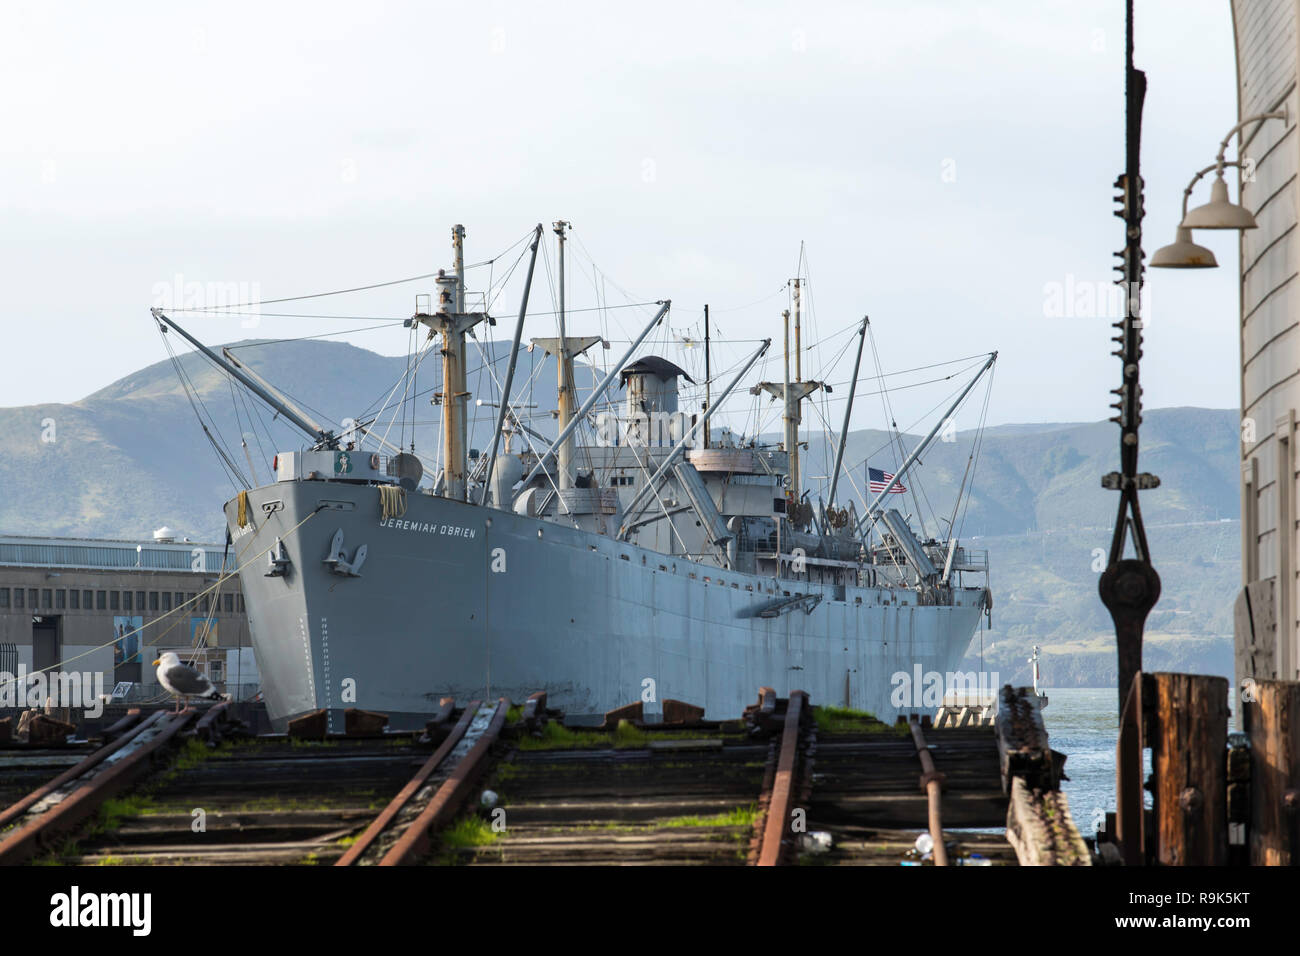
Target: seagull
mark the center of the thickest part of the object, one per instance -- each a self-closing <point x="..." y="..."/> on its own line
<point x="184" y="681"/>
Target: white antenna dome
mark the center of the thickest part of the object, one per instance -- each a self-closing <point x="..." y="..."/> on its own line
<point x="164" y="535"/>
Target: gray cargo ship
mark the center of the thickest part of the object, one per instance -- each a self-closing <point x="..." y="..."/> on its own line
<point x="661" y="560"/>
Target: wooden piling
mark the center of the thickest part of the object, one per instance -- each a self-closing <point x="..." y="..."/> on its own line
<point x="1188" y="735"/>
<point x="1273" y="722"/>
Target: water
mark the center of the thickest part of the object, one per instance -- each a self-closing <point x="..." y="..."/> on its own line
<point x="1083" y="723"/>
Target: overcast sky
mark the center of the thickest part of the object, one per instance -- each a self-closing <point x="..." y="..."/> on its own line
<point x="945" y="164"/>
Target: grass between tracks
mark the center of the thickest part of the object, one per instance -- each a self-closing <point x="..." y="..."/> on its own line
<point x="844" y="720"/>
<point x="470" y="832"/>
<point x="626" y="736"/>
<point x="735" y="817"/>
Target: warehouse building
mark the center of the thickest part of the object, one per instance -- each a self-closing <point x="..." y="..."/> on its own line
<point x="1267" y="618"/>
<point x="109" y="607"/>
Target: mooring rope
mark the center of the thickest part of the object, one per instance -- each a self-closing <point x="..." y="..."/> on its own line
<point x="392" y="502"/>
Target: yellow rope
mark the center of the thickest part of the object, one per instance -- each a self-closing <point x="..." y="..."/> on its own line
<point x="243" y="509"/>
<point x="392" y="502"/>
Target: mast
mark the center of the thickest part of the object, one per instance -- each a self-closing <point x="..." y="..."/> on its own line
<point x="565" y="349"/>
<point x="707" y="374"/>
<point x="460" y="394"/>
<point x="848" y="411"/>
<point x="453" y="360"/>
<point x="791" y="395"/>
<point x="458" y="263"/>
<point x="798" y="349"/>
<point x="791" y="431"/>
<point x="564" y="371"/>
<point x="452" y="322"/>
<point x="510" y="372"/>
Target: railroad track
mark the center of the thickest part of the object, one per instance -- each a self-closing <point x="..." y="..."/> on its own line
<point x="401" y="833"/>
<point x="690" y="792"/>
<point x="624" y="799"/>
<point x="869" y="794"/>
<point x="849" y="790"/>
<point x="171" y="791"/>
<point x="265" y="801"/>
<point x="23" y="770"/>
<point x="493" y="785"/>
<point x="59" y="807"/>
<point x="25" y="767"/>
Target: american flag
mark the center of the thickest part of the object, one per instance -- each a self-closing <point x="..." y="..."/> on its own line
<point x="877" y="480"/>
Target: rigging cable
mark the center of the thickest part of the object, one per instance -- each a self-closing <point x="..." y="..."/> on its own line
<point x="191" y="393"/>
<point x="979" y="446"/>
<point x="360" y="288"/>
<point x="898" y="438"/>
<point x="943" y="401"/>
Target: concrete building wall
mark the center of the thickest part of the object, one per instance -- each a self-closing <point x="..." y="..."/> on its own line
<point x="1268" y="606"/>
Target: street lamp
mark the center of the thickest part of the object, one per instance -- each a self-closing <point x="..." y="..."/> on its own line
<point x="1183" y="253"/>
<point x="1219" y="213"/>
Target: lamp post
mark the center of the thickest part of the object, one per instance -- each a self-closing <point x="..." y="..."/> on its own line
<point x="1129" y="587"/>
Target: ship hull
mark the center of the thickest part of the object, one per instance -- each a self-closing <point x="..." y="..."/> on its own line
<point x="455" y="600"/>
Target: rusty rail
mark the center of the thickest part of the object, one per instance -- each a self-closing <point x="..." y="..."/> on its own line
<point x="131" y="718"/>
<point x="16" y="810"/>
<point x="776" y="825"/>
<point x="446" y="803"/>
<point x="207" y="728"/>
<point x="932" y="784"/>
<point x="84" y="799"/>
<point x="390" y="812"/>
